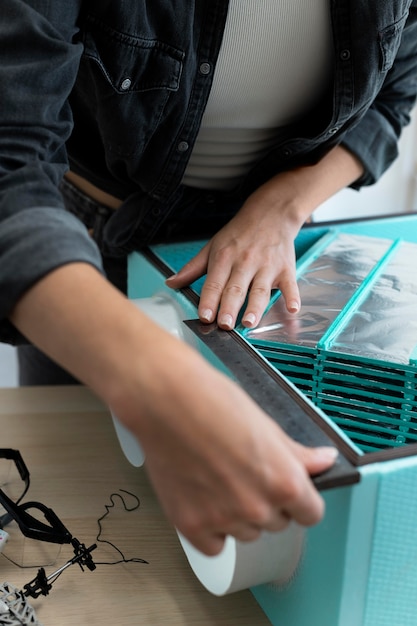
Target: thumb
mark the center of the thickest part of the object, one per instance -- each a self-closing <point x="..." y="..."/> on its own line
<point x="194" y="269"/>
<point x="315" y="460"/>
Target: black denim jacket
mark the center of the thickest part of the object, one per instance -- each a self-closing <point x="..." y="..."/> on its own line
<point x="117" y="89"/>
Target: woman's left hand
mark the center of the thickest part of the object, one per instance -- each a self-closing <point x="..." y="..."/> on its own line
<point x="254" y="252"/>
<point x="248" y="257"/>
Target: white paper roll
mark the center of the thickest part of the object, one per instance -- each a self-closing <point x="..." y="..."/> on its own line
<point x="271" y="558"/>
<point x="164" y="310"/>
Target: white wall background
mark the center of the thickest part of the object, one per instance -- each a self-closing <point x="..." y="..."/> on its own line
<point x="8" y="366"/>
<point x="396" y="192"/>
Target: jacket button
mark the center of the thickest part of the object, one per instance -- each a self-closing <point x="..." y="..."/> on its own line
<point x="205" y="68"/>
<point x="182" y="146"/>
<point x="125" y="84"/>
<point x="345" y="55"/>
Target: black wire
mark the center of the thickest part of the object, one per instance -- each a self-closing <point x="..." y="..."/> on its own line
<point x="21" y="566"/>
<point x="54" y="577"/>
<point x="98" y="538"/>
<point x="100" y="519"/>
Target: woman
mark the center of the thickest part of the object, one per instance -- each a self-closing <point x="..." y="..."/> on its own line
<point x="231" y="121"/>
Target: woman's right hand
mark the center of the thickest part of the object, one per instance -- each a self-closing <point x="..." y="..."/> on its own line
<point x="218" y="463"/>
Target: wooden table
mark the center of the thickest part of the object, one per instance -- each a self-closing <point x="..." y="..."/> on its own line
<point x="67" y="440"/>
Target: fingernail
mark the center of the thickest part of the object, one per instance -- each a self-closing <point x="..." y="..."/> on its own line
<point x="249" y="319"/>
<point x="206" y="315"/>
<point x="327" y="453"/>
<point x="226" y="320"/>
<point x="293" y="306"/>
<point x="170" y="278"/>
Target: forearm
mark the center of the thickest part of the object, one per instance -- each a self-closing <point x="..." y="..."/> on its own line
<point x="298" y="192"/>
<point x="81" y="321"/>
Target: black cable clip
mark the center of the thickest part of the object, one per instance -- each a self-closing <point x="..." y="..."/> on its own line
<point x="83" y="554"/>
<point x="42" y="584"/>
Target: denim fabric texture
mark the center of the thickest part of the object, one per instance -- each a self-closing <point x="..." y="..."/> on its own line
<point x="116" y="90"/>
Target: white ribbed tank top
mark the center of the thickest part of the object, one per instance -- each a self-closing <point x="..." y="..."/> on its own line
<point x="274" y="64"/>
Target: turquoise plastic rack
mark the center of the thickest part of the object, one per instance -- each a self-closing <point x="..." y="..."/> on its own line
<point x="368" y="389"/>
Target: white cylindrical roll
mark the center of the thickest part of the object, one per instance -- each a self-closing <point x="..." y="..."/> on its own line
<point x="165" y="311"/>
<point x="273" y="557"/>
<point x="162" y="309"/>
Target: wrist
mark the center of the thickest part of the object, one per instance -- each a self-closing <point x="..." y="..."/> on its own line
<point x="283" y="195"/>
<point x="159" y="389"/>
<point x="298" y="192"/>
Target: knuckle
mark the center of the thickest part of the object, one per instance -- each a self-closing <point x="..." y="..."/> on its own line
<point x="212" y="547"/>
<point x="192" y="526"/>
<point x="253" y="510"/>
<point x="248" y="256"/>
<point x="279" y="523"/>
<point x="235" y="290"/>
<point x="292" y="490"/>
<point x="260" y="291"/>
<point x="219" y="519"/>
<point x="212" y="286"/>
<point x="247" y="534"/>
<point x="214" y="520"/>
<point x="287" y="277"/>
<point x="224" y="255"/>
<point x="258" y="514"/>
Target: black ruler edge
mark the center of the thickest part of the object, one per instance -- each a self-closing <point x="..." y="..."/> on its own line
<point x="270" y="390"/>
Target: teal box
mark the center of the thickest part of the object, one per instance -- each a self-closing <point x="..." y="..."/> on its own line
<point x="359" y="565"/>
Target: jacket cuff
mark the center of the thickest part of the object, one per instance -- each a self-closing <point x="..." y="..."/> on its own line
<point x="374" y="143"/>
